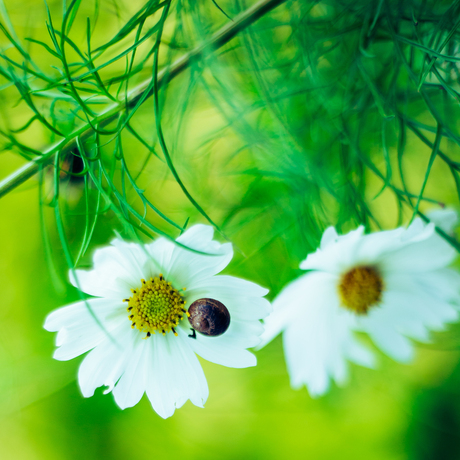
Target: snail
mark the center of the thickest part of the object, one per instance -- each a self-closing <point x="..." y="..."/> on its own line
<point x="208" y="317"/>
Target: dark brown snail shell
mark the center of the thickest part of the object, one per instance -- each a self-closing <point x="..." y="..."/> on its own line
<point x="209" y="317"/>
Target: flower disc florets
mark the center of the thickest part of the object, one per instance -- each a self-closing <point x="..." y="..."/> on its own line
<point x="156" y="306"/>
<point x="361" y="288"/>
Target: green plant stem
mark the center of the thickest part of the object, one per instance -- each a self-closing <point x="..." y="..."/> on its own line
<point x="141" y="92"/>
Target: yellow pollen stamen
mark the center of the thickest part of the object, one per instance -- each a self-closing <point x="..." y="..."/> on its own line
<point x="155" y="307"/>
<point x="360" y="288"/>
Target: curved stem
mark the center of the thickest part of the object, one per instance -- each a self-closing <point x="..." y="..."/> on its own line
<point x="140" y="93"/>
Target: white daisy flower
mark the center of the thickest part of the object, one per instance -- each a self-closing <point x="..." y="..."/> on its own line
<point x="139" y="329"/>
<point x="393" y="285"/>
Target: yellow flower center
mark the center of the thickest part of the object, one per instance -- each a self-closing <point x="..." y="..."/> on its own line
<point x="156" y="306"/>
<point x="361" y="288"/>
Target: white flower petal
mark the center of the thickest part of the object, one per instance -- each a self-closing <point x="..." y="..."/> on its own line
<point x="273" y="326"/>
<point x="117" y="269"/>
<point x="443" y="283"/>
<point x="175" y="375"/>
<point x="160" y="252"/>
<point x="419" y="255"/>
<point x="72" y="349"/>
<point x="336" y="256"/>
<point x="407" y="309"/>
<point x="288" y="306"/>
<point x="134" y="257"/>
<point x="106" y="363"/>
<point x="371" y="246"/>
<point x="417" y="296"/>
<point x="329" y="236"/>
<point x="194" y="383"/>
<point x="416" y="230"/>
<point x="83" y="313"/>
<point x="189" y="268"/>
<point x="101" y="283"/>
<point x="392" y="343"/>
<point x="245" y="334"/>
<point x="199" y="237"/>
<point x="185" y="267"/>
<point x="159" y="379"/>
<point x="305" y="367"/>
<point x="359" y="354"/>
<point x="79" y="330"/>
<point x="132" y="384"/>
<point x="446" y="219"/>
<point x="220" y="351"/>
<point x="229" y="285"/>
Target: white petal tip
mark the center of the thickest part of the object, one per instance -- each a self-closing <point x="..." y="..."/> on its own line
<point x="165" y="414"/>
<point x="264" y="291"/>
<point x="57" y="355"/>
<point x="304" y="265"/>
<point x="199" y="404"/>
<point x="52" y="323"/>
<point x="264" y="340"/>
<point x="109" y="388"/>
<point x="87" y="392"/>
<point x="317" y="392"/>
<point x="252" y="361"/>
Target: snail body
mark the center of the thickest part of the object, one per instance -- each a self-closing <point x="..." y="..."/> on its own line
<point x="209" y="317"/>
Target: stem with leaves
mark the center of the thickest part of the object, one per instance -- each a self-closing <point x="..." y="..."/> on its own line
<point x="139" y="94"/>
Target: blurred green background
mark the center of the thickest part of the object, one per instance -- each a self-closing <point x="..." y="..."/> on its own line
<point x="276" y="136"/>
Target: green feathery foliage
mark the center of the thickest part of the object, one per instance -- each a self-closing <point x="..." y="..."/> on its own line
<point x="269" y="120"/>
